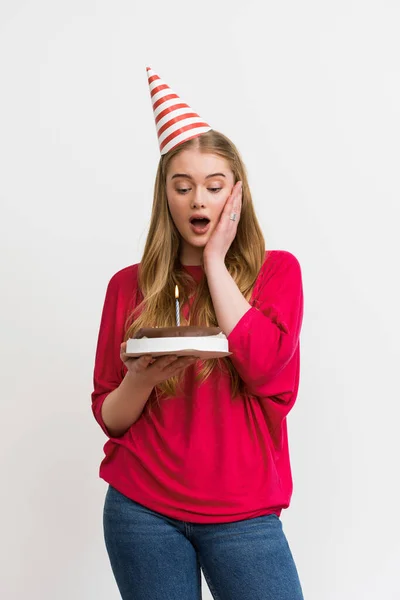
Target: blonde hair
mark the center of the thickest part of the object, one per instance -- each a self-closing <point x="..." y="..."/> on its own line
<point x="160" y="269"/>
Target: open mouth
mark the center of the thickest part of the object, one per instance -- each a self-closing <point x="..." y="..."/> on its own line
<point x="199" y="222"/>
<point x="200" y="225"/>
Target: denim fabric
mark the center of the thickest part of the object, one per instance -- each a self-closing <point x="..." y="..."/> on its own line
<point x="154" y="557"/>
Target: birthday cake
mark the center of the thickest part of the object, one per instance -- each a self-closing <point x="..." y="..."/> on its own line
<point x="202" y="342"/>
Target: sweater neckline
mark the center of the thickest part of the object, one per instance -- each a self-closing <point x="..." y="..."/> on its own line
<point x="196" y="271"/>
<point x="197" y="267"/>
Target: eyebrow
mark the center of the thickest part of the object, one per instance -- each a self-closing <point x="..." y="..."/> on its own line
<point x="190" y="177"/>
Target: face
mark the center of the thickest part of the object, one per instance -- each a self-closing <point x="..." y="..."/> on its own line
<point x="197" y="183"/>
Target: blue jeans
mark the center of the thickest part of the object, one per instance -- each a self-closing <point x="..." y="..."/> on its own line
<point x="154" y="557"/>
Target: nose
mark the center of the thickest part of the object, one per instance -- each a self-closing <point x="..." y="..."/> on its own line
<point x="197" y="199"/>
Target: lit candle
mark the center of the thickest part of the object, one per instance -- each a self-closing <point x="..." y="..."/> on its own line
<point x="178" y="318"/>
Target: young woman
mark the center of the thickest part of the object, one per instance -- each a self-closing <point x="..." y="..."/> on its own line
<point x="197" y="456"/>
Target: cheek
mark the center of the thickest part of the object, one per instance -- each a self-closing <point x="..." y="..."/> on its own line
<point x="173" y="208"/>
<point x="220" y="208"/>
<point x="177" y="215"/>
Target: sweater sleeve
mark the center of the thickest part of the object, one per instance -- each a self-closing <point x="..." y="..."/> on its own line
<point x="265" y="341"/>
<point x="108" y="368"/>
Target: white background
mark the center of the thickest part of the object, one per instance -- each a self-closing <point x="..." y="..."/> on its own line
<point x="310" y="93"/>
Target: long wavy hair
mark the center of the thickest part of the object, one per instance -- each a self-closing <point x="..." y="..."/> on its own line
<point x="160" y="268"/>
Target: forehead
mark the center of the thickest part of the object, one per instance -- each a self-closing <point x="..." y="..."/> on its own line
<point x="198" y="164"/>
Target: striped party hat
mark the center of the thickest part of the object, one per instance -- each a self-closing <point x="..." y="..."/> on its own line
<point x="175" y="121"/>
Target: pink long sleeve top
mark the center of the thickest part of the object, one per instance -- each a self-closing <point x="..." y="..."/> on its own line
<point x="206" y="456"/>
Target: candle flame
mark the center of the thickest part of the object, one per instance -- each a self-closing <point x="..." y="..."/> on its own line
<point x="176" y="292"/>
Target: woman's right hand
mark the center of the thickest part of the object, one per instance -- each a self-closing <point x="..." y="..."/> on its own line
<point x="155" y="370"/>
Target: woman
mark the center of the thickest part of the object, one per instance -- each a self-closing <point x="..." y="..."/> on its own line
<point x="197" y="458"/>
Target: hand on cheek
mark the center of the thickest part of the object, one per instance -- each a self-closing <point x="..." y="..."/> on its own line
<point x="225" y="232"/>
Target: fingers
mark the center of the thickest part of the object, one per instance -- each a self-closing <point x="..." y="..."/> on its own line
<point x="168" y="362"/>
<point x="187" y="362"/>
<point x="163" y="362"/>
<point x="122" y="351"/>
<point x="174" y="364"/>
<point x="175" y="361"/>
<point x="146" y="359"/>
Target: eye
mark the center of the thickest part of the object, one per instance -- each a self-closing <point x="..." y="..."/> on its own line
<point x="214" y="190"/>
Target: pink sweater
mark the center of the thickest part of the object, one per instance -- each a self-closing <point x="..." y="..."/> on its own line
<point x="206" y="456"/>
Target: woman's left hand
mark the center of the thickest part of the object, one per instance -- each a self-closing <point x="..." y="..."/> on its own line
<point x="225" y="232"/>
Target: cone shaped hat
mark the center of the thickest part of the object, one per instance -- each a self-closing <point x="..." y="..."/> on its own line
<point x="175" y="121"/>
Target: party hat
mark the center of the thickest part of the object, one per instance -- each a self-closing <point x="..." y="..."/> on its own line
<point x="175" y="121"/>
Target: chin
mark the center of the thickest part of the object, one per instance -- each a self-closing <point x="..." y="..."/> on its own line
<point x="197" y="241"/>
<point x="197" y="244"/>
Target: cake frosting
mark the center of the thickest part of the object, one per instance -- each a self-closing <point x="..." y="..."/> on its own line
<point x="203" y="342"/>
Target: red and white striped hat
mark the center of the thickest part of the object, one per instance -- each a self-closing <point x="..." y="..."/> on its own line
<point x="175" y="121"/>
